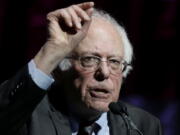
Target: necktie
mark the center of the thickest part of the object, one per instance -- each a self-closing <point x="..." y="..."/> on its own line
<point x="88" y="130"/>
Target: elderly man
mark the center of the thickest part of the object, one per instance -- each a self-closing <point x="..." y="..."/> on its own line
<point x="69" y="86"/>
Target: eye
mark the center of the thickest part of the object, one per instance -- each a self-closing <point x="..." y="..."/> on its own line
<point x="89" y="58"/>
<point x="115" y="61"/>
<point x="88" y="61"/>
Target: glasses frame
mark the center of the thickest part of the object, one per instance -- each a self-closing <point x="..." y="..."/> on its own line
<point x="79" y="59"/>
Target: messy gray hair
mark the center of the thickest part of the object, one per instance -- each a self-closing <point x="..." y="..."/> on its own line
<point x="65" y="64"/>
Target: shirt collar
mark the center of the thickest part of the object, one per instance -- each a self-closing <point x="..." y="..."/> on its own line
<point x="102" y="122"/>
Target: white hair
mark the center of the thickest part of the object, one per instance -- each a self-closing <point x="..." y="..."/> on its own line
<point x="65" y="64"/>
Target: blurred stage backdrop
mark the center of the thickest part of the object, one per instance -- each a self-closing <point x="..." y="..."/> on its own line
<point x="151" y="26"/>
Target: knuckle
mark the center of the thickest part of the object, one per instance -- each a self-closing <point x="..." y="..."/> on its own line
<point x="62" y="11"/>
<point x="54" y="14"/>
<point x="74" y="6"/>
<point x="49" y="16"/>
<point x="65" y="13"/>
<point x="69" y="10"/>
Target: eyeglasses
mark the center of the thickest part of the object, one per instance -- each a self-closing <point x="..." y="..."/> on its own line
<point x="92" y="63"/>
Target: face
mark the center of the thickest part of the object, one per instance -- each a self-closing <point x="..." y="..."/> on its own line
<point x="99" y="88"/>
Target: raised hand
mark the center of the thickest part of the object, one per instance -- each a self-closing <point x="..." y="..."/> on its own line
<point x="67" y="27"/>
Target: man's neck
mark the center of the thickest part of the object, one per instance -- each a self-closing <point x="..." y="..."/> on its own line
<point x="83" y="114"/>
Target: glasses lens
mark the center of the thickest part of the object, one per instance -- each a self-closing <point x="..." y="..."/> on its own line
<point x="92" y="63"/>
<point x="89" y="61"/>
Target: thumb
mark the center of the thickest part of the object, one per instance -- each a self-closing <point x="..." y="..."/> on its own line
<point x="90" y="11"/>
<point x="86" y="24"/>
<point x="81" y="34"/>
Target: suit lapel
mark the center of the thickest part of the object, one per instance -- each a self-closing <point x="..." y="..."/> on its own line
<point x="52" y="121"/>
<point x="61" y="123"/>
<point x="58" y="111"/>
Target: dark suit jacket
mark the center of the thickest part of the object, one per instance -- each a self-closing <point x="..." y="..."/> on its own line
<point x="25" y="109"/>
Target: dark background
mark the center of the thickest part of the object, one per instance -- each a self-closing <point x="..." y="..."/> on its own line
<point x="152" y="26"/>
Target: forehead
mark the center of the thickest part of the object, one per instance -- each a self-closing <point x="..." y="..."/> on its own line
<point x="102" y="39"/>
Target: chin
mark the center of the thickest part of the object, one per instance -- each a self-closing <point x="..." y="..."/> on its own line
<point x="100" y="106"/>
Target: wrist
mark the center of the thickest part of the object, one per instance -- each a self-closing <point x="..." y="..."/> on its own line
<point x="47" y="60"/>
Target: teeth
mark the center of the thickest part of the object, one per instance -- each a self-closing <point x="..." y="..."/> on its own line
<point x="101" y="90"/>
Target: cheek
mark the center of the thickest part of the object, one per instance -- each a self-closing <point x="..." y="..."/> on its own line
<point x="82" y="77"/>
<point x="82" y="81"/>
<point x="117" y="81"/>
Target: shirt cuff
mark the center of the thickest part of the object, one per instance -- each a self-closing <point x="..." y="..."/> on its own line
<point x="40" y="78"/>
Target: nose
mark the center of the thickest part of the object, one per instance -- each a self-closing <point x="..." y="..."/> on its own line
<point x="102" y="72"/>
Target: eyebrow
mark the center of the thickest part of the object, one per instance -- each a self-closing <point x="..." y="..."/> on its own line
<point x="97" y="54"/>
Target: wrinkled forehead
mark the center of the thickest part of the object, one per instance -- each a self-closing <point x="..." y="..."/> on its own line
<point x="102" y="39"/>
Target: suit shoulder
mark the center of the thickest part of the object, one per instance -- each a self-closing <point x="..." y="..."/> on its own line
<point x="139" y="112"/>
<point x="145" y="121"/>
